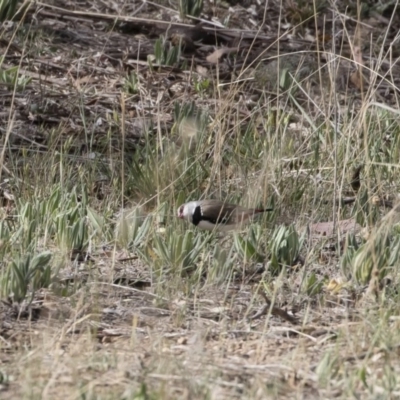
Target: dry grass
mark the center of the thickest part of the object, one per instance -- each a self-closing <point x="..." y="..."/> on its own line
<point x="139" y="306"/>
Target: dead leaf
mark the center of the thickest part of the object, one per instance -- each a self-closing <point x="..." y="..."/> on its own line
<point x="326" y="229"/>
<point x="202" y="71"/>
<point x="358" y="55"/>
<point x="335" y="285"/>
<point x="356" y="77"/>
<point x="214" y="57"/>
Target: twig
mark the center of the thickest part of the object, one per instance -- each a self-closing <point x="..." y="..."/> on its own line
<point x="274" y="311"/>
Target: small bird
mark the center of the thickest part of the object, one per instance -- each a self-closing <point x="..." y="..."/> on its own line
<point x="215" y="214"/>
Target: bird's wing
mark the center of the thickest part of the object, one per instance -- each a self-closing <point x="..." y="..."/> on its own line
<point x="218" y="212"/>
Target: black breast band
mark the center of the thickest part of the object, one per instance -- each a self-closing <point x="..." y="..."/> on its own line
<point x="197" y="217"/>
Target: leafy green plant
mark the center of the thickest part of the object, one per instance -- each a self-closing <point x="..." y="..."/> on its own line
<point x="327" y="368"/>
<point x="144" y="394"/>
<point x="131" y="83"/>
<point x="222" y="261"/>
<point x="312" y="285"/>
<point x="165" y="53"/>
<point x="285" y="247"/>
<point x="185" y="110"/>
<point x="247" y="249"/>
<point x="201" y="85"/>
<point x="11" y="77"/>
<point x="377" y="254"/>
<point x="174" y="252"/>
<point x="4" y="379"/>
<point x="72" y="229"/>
<point x="190" y="7"/>
<point x="5" y="235"/>
<point x="27" y="273"/>
<point x="64" y="217"/>
<point x="352" y="245"/>
<point x="132" y="229"/>
<point x="8" y="9"/>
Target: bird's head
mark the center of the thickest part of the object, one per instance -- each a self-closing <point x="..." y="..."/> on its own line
<point x="186" y="210"/>
<point x="182" y="211"/>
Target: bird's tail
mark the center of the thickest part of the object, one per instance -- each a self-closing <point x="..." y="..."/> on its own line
<point x="261" y="210"/>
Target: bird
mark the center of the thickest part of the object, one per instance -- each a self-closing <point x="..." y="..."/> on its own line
<point x="217" y="215"/>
